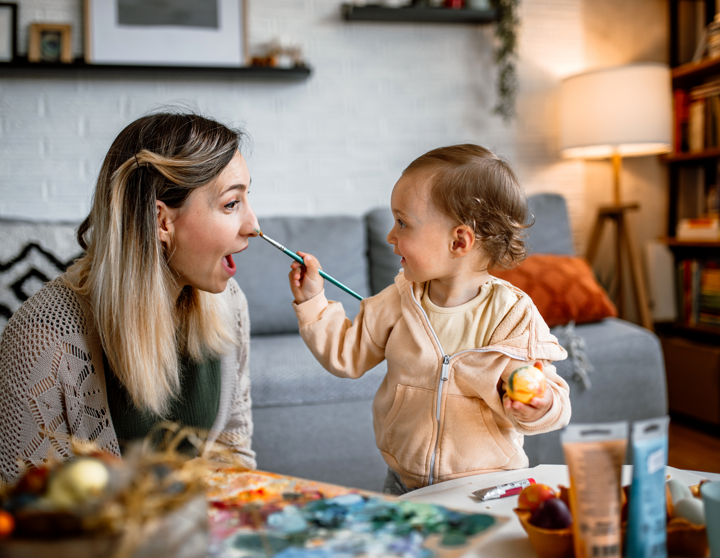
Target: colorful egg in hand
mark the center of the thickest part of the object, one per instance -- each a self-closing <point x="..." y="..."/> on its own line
<point x="525" y="383"/>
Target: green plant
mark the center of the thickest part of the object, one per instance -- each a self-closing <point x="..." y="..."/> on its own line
<point x="506" y="29"/>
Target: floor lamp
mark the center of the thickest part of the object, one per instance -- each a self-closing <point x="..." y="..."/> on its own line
<point x="622" y="111"/>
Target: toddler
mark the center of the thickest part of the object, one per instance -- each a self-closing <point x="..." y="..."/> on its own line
<point x="451" y="332"/>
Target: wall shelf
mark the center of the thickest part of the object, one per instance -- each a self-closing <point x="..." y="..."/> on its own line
<point x="417" y="15"/>
<point x="692" y="156"/>
<point x="674" y="242"/>
<point x="22" y="68"/>
<point x="693" y="72"/>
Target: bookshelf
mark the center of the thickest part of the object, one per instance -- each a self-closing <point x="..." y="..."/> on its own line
<point x="694" y="173"/>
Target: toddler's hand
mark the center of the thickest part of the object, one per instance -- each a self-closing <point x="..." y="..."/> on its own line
<point x="534" y="409"/>
<point x="305" y="280"/>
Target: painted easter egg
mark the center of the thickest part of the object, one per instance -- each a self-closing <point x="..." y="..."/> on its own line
<point x="78" y="482"/>
<point x="691" y="509"/>
<point x="678" y="491"/>
<point x="552" y="514"/>
<point x="532" y="496"/>
<point x="525" y="383"/>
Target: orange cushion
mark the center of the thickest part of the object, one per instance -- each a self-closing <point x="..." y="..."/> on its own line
<point x="562" y="287"/>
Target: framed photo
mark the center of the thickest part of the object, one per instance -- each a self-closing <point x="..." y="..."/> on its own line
<point x="8" y="31"/>
<point x="162" y="33"/>
<point x="50" y="42"/>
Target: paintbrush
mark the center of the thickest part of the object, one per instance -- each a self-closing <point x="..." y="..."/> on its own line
<point x="299" y="259"/>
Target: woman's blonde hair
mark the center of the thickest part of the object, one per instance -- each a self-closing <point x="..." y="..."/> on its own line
<point x="476" y="188"/>
<point x="124" y="273"/>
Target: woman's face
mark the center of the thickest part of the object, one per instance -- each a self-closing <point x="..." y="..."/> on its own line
<point x="214" y="224"/>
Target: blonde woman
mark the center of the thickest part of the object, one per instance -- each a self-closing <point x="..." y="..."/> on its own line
<point x="148" y="325"/>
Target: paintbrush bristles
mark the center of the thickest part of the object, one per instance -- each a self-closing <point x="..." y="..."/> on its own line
<point x="259" y="232"/>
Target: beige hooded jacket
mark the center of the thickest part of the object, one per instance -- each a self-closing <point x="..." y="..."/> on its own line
<point x="437" y="417"/>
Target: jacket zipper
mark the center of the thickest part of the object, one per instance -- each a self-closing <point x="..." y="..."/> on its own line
<point x="444" y="377"/>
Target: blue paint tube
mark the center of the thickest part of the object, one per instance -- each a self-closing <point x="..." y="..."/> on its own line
<point x="646" y="529"/>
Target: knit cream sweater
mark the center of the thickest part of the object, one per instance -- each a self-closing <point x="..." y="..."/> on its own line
<point x="52" y="382"/>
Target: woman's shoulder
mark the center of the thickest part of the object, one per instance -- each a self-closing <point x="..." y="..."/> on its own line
<point x="55" y="309"/>
<point x="53" y="316"/>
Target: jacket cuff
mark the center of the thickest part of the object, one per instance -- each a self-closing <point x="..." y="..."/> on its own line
<point x="310" y="310"/>
<point x="548" y="420"/>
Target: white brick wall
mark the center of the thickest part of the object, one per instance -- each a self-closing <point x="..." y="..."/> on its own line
<point x="380" y="95"/>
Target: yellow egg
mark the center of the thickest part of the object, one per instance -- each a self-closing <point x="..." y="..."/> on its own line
<point x="78" y="482"/>
<point x="525" y="383"/>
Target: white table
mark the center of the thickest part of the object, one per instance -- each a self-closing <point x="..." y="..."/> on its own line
<point x="510" y="541"/>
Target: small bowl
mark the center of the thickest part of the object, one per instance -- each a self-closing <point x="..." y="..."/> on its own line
<point x="548" y="543"/>
<point x="686" y="539"/>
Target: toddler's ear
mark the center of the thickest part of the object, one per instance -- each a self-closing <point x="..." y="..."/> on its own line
<point x="463" y="240"/>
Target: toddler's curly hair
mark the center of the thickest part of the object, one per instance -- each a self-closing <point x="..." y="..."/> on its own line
<point x="475" y="187"/>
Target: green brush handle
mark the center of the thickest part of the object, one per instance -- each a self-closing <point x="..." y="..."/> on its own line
<point x="300" y="260"/>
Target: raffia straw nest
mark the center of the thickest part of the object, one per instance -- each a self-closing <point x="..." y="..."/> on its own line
<point x="152" y="480"/>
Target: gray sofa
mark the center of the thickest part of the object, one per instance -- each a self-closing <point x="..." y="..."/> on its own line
<point x="311" y="424"/>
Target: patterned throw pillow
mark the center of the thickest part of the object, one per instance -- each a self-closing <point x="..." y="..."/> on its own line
<point x="30" y="255"/>
<point x="563" y="288"/>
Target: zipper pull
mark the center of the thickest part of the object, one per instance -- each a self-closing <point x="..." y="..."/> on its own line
<point x="444" y="373"/>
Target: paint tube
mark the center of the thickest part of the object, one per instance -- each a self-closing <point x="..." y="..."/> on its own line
<point x="594" y="454"/>
<point x="647" y="535"/>
<point x="503" y="490"/>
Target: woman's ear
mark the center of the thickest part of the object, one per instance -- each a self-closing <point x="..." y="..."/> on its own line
<point x="463" y="241"/>
<point x="165" y="219"/>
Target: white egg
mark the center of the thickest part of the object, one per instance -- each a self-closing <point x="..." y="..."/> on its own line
<point x="691" y="509"/>
<point x="678" y="491"/>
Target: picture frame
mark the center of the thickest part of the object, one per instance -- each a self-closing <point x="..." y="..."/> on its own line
<point x="50" y="42"/>
<point x="8" y="31"/>
<point x="210" y="33"/>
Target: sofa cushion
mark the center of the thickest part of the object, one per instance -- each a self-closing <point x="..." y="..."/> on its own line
<point x="329" y="442"/>
<point x="563" y="288"/>
<point x="551" y="232"/>
<point x="262" y="270"/>
<point x="30" y="255"/>
<point x="384" y="264"/>
<point x="284" y="372"/>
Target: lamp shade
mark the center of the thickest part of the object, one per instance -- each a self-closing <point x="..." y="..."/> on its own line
<point x="624" y="110"/>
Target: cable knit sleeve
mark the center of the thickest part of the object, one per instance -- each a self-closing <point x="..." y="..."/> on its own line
<point x="237" y="432"/>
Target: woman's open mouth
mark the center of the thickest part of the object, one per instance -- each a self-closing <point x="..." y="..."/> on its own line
<point x="229" y="264"/>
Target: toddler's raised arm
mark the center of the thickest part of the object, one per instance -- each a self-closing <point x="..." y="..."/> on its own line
<point x="344" y="348"/>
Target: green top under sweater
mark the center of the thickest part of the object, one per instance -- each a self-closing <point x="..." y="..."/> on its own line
<point x="196" y="404"/>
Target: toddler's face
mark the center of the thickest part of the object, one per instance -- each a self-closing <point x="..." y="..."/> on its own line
<point x="422" y="234"/>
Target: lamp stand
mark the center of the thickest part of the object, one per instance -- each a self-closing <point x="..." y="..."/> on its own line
<point x="623" y="243"/>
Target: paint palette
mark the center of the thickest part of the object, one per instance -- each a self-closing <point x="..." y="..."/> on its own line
<point x="256" y="515"/>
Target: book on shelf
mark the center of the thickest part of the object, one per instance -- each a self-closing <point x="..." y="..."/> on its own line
<point x="698" y="292"/>
<point x="697" y="118"/>
<point x="696" y="125"/>
<point x="705" y="228"/>
<point x="681" y="102"/>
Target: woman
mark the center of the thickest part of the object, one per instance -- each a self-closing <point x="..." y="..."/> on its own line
<point x="148" y="325"/>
